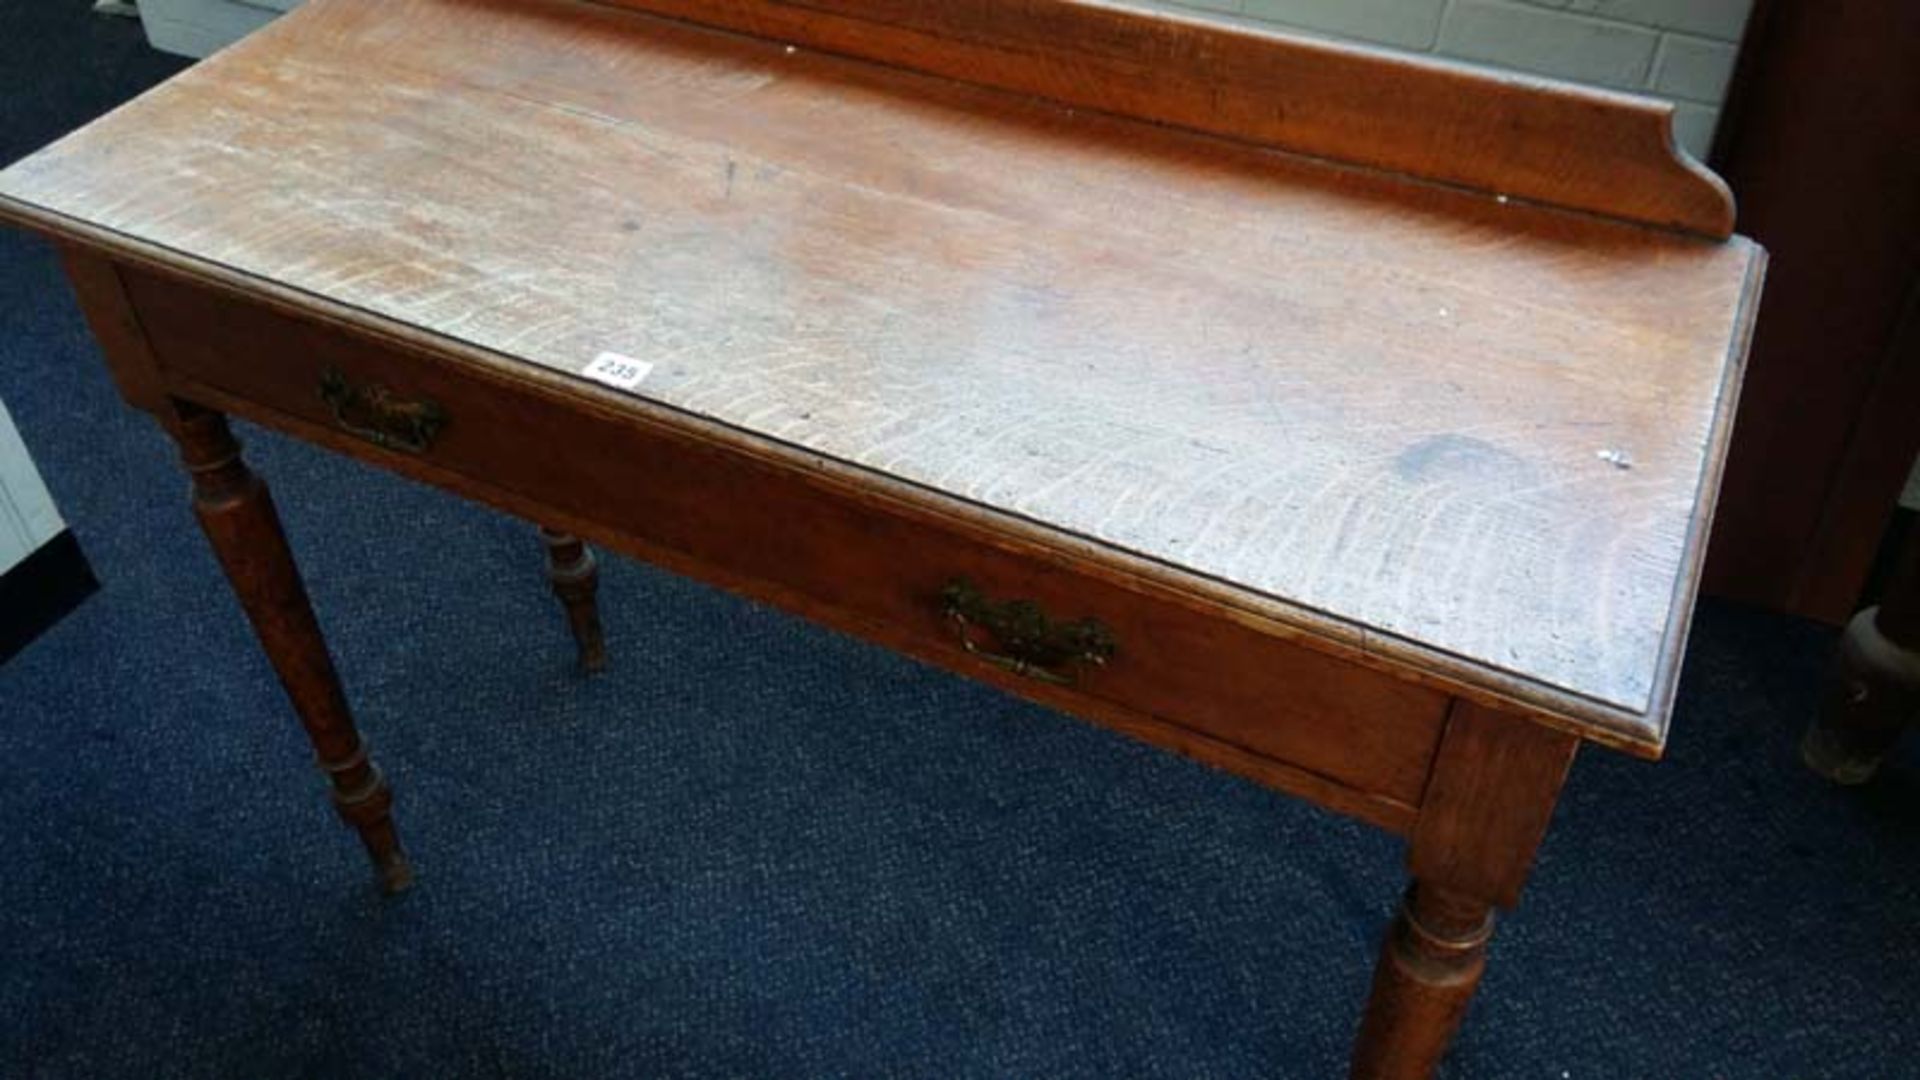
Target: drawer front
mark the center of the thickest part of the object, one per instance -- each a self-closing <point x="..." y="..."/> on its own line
<point x="863" y="561"/>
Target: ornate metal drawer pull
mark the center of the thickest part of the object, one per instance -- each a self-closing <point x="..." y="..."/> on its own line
<point x="376" y="414"/>
<point x="1031" y="642"/>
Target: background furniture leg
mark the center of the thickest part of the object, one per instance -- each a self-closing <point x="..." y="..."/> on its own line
<point x="238" y="517"/>
<point x="1489" y="800"/>
<point x="1875" y="693"/>
<point x="576" y="578"/>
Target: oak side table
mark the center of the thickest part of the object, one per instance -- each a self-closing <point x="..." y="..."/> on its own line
<point x="1348" y="422"/>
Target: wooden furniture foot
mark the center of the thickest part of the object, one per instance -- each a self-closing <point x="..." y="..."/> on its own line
<point x="238" y="517"/>
<point x="1876" y="692"/>
<point x="576" y="578"/>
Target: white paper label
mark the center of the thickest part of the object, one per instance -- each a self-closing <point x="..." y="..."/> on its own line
<point x="619" y="372"/>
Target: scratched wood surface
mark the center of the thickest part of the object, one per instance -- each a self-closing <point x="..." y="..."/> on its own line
<point x="1555" y="143"/>
<point x="1478" y="426"/>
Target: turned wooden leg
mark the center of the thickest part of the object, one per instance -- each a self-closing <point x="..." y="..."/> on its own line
<point x="576" y="577"/>
<point x="1429" y="967"/>
<point x="1875" y="693"/>
<point x="1489" y="799"/>
<point x="239" y="519"/>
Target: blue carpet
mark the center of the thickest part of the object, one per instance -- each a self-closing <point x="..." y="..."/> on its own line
<point x="756" y="849"/>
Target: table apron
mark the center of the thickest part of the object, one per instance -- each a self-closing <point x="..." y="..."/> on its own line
<point x="1188" y="674"/>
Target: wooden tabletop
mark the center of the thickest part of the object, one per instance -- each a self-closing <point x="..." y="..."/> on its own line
<point x="1472" y="424"/>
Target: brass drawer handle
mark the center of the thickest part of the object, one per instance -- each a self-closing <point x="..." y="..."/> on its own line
<point x="1033" y="644"/>
<point x="376" y="414"/>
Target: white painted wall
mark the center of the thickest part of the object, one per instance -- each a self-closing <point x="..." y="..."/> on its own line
<point x="27" y="516"/>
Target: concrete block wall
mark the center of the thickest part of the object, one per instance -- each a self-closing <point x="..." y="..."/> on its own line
<point x="1680" y="50"/>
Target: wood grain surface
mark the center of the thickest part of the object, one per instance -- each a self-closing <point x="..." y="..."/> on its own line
<point x="1552" y="142"/>
<point x="841" y="554"/>
<point x="1480" y="427"/>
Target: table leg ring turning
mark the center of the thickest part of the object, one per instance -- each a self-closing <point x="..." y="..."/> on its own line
<point x="575" y="576"/>
<point x="1429" y="967"/>
<point x="363" y="800"/>
<point x="237" y="514"/>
